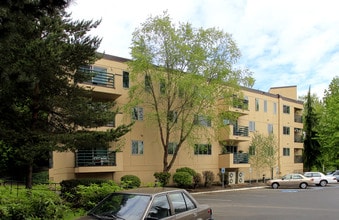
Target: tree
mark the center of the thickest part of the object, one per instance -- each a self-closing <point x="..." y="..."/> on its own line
<point x="42" y="104"/>
<point x="311" y="145"/>
<point x="263" y="152"/>
<point x="328" y="126"/>
<point x="180" y="73"/>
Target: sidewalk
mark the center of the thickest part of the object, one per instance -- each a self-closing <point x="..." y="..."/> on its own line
<point x="234" y="187"/>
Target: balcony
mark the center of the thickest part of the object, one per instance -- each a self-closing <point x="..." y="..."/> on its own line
<point x="235" y="133"/>
<point x="93" y="161"/>
<point x="298" y="118"/>
<point x="233" y="160"/>
<point x="101" y="83"/>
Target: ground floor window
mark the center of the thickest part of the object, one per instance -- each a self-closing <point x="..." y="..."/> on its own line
<point x="204" y="149"/>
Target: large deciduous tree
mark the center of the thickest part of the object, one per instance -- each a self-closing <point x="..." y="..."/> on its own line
<point x="328" y="129"/>
<point x="181" y="73"/>
<point x="42" y="104"/>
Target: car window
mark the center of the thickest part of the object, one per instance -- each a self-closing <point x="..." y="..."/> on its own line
<point x="308" y="174"/>
<point x="316" y="175"/>
<point x="178" y="202"/>
<point x="121" y="205"/>
<point x="160" y="208"/>
<point x="189" y="203"/>
<point x="297" y="176"/>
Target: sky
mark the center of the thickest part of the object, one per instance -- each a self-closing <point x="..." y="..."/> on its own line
<point x="283" y="42"/>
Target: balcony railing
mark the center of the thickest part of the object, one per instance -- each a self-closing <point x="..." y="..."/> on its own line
<point x="298" y="118"/>
<point x="298" y="139"/>
<point x="240" y="158"/>
<point x="298" y="159"/>
<point x="87" y="158"/>
<point x="240" y="131"/>
<point x="100" y="78"/>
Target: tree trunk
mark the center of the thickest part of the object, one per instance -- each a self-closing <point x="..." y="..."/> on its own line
<point x="29" y="174"/>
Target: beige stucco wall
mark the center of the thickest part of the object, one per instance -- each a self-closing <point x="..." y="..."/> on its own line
<point x="151" y="160"/>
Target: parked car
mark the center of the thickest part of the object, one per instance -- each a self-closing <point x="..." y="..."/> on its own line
<point x="335" y="174"/>
<point x="292" y="180"/>
<point x="320" y="179"/>
<point x="150" y="203"/>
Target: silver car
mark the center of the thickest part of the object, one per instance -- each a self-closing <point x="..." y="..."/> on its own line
<point x="150" y="203"/>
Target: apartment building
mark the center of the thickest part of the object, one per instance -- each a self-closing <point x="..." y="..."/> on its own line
<point x="139" y="153"/>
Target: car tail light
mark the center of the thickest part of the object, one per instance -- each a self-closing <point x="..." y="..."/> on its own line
<point x="210" y="212"/>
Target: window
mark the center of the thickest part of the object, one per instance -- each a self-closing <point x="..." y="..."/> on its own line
<point x="148" y="83"/>
<point x="162" y="86"/>
<point x="138" y="114"/>
<point x="270" y="128"/>
<point x="125" y="79"/>
<point x="286" y="109"/>
<point x="137" y="147"/>
<point x="202" y="120"/>
<point x="274" y="108"/>
<point x="251" y="150"/>
<point x="160" y="208"/>
<point x="286" y="151"/>
<point x="251" y="126"/>
<point x="100" y="75"/>
<point x="265" y="105"/>
<point x="286" y="130"/>
<point x="256" y="104"/>
<point x="171" y="147"/>
<point x="172" y="116"/>
<point x="202" y="149"/>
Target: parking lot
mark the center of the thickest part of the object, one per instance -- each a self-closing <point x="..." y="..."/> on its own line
<point x="266" y="203"/>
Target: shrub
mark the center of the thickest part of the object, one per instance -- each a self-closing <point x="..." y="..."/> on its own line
<point x="196" y="180"/>
<point x="183" y="179"/>
<point x="69" y="187"/>
<point x="162" y="177"/>
<point x="187" y="169"/>
<point x="38" y="203"/>
<point x="130" y="181"/>
<point x="208" y="177"/>
<point x="90" y="195"/>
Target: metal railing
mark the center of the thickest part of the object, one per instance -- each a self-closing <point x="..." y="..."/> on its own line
<point x="240" y="131"/>
<point x="240" y="158"/>
<point x="87" y="158"/>
<point x="100" y="78"/>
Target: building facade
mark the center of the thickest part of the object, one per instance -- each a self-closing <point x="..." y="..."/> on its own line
<point x="139" y="152"/>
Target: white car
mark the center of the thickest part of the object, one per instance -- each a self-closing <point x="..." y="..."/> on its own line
<point x="320" y="179"/>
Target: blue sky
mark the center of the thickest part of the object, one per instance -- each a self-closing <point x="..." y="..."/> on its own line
<point x="284" y="43"/>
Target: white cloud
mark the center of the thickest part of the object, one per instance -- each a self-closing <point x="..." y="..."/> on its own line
<point x="284" y="42"/>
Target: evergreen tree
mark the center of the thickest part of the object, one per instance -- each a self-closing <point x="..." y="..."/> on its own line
<point x="311" y="145"/>
<point x="42" y="104"/>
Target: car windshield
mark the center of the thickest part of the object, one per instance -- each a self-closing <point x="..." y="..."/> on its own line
<point x="121" y="206"/>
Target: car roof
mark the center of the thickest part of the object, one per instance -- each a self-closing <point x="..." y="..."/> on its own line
<point x="151" y="190"/>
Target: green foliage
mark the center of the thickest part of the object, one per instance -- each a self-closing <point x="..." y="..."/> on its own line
<point x="38" y="203"/>
<point x="40" y="108"/>
<point x="328" y="129"/>
<point x="173" y="58"/>
<point x="162" y="177"/>
<point x="40" y="178"/>
<point x="89" y="196"/>
<point x="187" y="169"/>
<point x="130" y="181"/>
<point x="69" y="188"/>
<point x="311" y="151"/>
<point x="183" y="179"/>
<point x="208" y="178"/>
